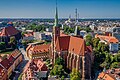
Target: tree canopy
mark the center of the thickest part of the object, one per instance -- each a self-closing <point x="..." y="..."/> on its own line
<point x="75" y="75"/>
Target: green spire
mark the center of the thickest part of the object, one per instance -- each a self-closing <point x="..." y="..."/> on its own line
<point x="56" y="17"/>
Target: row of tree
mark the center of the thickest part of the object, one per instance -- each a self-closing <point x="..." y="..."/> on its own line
<point x="102" y="57"/>
<point x="69" y="30"/>
<point x="34" y="27"/>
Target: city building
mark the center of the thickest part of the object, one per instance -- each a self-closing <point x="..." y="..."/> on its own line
<point x="28" y="36"/>
<point x="11" y="62"/>
<point x="38" y="51"/>
<point x="110" y="74"/>
<point x="3" y="73"/>
<point x="111" y="41"/>
<point x="34" y="70"/>
<point x="8" y="32"/>
<point x="71" y="48"/>
<point x="43" y="36"/>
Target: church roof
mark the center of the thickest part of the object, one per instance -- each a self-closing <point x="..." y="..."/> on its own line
<point x="9" y="31"/>
<point x="71" y="43"/>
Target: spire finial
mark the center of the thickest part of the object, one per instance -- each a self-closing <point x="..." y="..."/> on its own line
<point x="56" y="16"/>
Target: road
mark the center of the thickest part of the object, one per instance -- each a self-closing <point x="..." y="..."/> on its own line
<point x="21" y="66"/>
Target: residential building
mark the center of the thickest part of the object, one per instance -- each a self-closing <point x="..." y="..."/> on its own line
<point x="28" y="36"/>
<point x="110" y="74"/>
<point x="11" y="62"/>
<point x="34" y="70"/>
<point x="111" y="41"/>
<point x="3" y="73"/>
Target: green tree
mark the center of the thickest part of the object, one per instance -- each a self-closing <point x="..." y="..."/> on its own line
<point x="95" y="42"/>
<point x="102" y="47"/>
<point x="115" y="65"/>
<point x="57" y="70"/>
<point x="2" y="46"/>
<point x="88" y="39"/>
<point x="75" y="75"/>
<point x="59" y="61"/>
<point x="13" y="42"/>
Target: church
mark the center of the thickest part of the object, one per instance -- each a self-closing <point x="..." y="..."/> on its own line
<point x="71" y="48"/>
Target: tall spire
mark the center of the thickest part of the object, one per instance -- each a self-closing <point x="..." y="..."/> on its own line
<point x="56" y="16"/>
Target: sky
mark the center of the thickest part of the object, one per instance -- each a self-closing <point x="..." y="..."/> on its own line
<point x="46" y="8"/>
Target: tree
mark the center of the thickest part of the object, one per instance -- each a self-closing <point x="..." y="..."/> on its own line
<point x="13" y="42"/>
<point x="57" y="70"/>
<point x="115" y="65"/>
<point x="2" y="46"/>
<point x="95" y="42"/>
<point x="59" y="61"/>
<point x="88" y="39"/>
<point x="75" y="75"/>
<point x="102" y="47"/>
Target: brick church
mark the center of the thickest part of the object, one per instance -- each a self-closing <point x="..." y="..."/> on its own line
<point x="72" y="49"/>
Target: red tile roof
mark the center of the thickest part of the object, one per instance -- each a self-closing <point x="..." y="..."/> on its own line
<point x="41" y="65"/>
<point x="62" y="43"/>
<point x="9" y="31"/>
<point x="11" y="59"/>
<point x="6" y="63"/>
<point x="109" y="39"/>
<point x="2" y="71"/>
<point x="71" y="43"/>
<point x="15" y="53"/>
<point x="77" y="45"/>
<point x="28" y="35"/>
<point x="40" y="48"/>
<point x="106" y="76"/>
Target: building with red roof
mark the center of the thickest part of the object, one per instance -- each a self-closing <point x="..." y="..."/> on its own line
<point x="38" y="51"/>
<point x="11" y="62"/>
<point x="35" y="69"/>
<point x="110" y="74"/>
<point x="8" y="32"/>
<point x="110" y="40"/>
<point x="71" y="48"/>
<point x="3" y="73"/>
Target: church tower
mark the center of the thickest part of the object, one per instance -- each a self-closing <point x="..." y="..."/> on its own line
<point x="56" y="33"/>
<point x="56" y="28"/>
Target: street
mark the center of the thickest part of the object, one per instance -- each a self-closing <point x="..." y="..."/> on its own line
<point x="21" y="66"/>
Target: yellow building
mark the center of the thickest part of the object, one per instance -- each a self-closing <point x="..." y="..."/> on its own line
<point x="38" y="51"/>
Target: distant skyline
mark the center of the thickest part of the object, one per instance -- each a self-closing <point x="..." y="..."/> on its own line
<point x="46" y="8"/>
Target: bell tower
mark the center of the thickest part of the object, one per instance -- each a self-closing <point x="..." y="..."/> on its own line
<point x="56" y="33"/>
